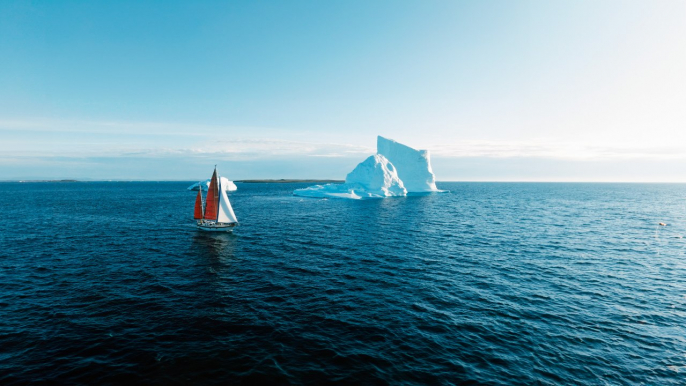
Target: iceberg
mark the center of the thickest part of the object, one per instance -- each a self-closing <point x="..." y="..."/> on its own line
<point x="395" y="170"/>
<point x="375" y="177"/>
<point x="414" y="166"/>
<point x="228" y="185"/>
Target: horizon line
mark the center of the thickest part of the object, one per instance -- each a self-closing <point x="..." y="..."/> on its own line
<point x="328" y="180"/>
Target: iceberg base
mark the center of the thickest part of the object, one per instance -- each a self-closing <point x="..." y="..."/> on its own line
<point x="345" y="190"/>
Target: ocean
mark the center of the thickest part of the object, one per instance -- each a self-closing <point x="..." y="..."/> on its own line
<point x="492" y="283"/>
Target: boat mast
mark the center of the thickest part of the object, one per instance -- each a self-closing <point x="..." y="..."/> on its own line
<point x="202" y="199"/>
<point x="219" y="189"/>
<point x="212" y="200"/>
<point x="216" y="191"/>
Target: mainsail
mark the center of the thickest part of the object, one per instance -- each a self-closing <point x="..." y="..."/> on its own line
<point x="212" y="200"/>
<point x="198" y="206"/>
<point x="225" y="210"/>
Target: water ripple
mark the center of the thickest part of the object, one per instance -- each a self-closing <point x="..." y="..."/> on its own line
<point x="491" y="284"/>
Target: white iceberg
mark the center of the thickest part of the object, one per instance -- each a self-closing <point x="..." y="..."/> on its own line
<point x="374" y="177"/>
<point x="229" y="186"/>
<point x="395" y="170"/>
<point x="377" y="176"/>
<point x="414" y="166"/>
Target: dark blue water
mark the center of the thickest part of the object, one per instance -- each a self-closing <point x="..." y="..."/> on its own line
<point x="105" y="283"/>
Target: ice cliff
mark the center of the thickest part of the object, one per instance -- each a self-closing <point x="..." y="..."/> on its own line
<point x="414" y="166"/>
<point x="395" y="170"/>
<point x="228" y="185"/>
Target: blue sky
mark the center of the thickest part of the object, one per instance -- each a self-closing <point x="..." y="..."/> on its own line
<point x="497" y="90"/>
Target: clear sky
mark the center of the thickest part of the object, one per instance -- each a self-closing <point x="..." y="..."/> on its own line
<point x="497" y="90"/>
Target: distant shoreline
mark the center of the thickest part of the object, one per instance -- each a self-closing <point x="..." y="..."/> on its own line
<point x="41" y="181"/>
<point x="316" y="181"/>
<point x="285" y="181"/>
<point x="267" y="181"/>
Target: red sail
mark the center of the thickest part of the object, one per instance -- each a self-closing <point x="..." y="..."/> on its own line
<point x="198" y="205"/>
<point x="212" y="199"/>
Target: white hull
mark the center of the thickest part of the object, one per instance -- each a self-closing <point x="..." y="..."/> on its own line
<point x="216" y="226"/>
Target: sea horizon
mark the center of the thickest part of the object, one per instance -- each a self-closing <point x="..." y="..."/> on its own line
<point x="328" y="180"/>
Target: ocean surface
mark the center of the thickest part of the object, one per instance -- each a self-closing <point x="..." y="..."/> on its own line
<point x="492" y="283"/>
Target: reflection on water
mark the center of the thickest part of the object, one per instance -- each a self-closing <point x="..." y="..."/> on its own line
<point x="219" y="247"/>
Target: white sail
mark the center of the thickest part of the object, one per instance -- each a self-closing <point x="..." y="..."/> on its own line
<point x="225" y="210"/>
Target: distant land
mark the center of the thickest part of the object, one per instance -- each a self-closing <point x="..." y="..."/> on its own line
<point x="268" y="181"/>
<point x="40" y="181"/>
<point x="283" y="181"/>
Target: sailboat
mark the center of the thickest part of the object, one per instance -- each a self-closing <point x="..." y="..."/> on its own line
<point x="216" y="215"/>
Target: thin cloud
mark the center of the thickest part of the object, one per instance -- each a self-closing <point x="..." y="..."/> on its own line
<point x="25" y="138"/>
<point x="556" y="150"/>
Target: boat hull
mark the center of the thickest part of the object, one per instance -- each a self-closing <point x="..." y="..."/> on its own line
<point x="216" y="227"/>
